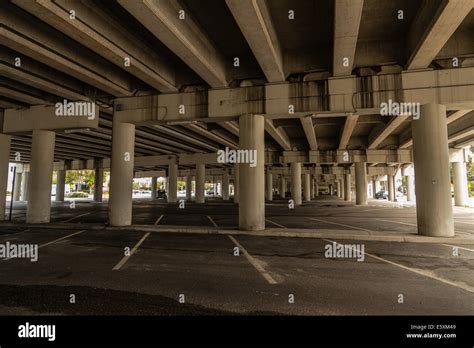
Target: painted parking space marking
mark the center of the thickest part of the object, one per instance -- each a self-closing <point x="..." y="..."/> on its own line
<point x="276" y="224"/>
<point x="343" y="225"/>
<point x="159" y="219"/>
<point x="133" y="251"/>
<point x="212" y="221"/>
<point x="254" y="262"/>
<point x="428" y="274"/>
<point x="54" y="241"/>
<point x="76" y="217"/>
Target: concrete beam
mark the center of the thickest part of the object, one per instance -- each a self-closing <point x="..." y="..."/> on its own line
<point x="347" y="16"/>
<point x="105" y="37"/>
<point x="255" y="22"/>
<point x="44" y="118"/>
<point x="184" y="37"/>
<point x="349" y="126"/>
<point x="434" y="25"/>
<point x="279" y="134"/>
<point x="376" y="139"/>
<point x="308" y="127"/>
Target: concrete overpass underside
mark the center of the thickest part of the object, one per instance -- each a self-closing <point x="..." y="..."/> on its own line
<point x="299" y="112"/>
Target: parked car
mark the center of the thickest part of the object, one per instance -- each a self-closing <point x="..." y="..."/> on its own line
<point x="381" y="195"/>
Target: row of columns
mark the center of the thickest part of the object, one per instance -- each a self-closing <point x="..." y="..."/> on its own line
<point x="430" y="152"/>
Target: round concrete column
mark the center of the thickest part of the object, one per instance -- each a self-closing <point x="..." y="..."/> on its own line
<point x="282" y="186"/>
<point x="153" y="187"/>
<point x="236" y="183"/>
<point x="338" y="188"/>
<point x="252" y="179"/>
<point x="200" y="181"/>
<point x="434" y="209"/>
<point x="460" y="184"/>
<point x="374" y="187"/>
<point x="225" y="186"/>
<point x="17" y="187"/>
<point x="410" y="188"/>
<point x="307" y="187"/>
<point x="269" y="182"/>
<point x="316" y="189"/>
<point x="41" y="171"/>
<point x="311" y="186"/>
<point x="189" y="188"/>
<point x="341" y="186"/>
<point x="391" y="187"/>
<point x="173" y="183"/>
<point x="24" y="186"/>
<point x="296" y="183"/>
<point x="331" y="189"/>
<point x="121" y="174"/>
<point x="60" y="183"/>
<point x="361" y="183"/>
<point x="347" y="187"/>
<point x="5" y="141"/>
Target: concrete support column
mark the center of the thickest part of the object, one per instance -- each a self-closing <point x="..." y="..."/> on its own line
<point x="153" y="187"/>
<point x="341" y="186"/>
<point x="311" y="186"/>
<point x="331" y="189"/>
<point x="172" y="183"/>
<point x="225" y="186"/>
<point x="252" y="179"/>
<point x="434" y="210"/>
<point x="391" y="187"/>
<point x="460" y="184"/>
<point x="17" y="187"/>
<point x="316" y="189"/>
<point x="189" y="187"/>
<point x="296" y="183"/>
<point x="282" y="186"/>
<point x="347" y="187"/>
<point x="24" y="186"/>
<point x="121" y="174"/>
<point x="269" y="183"/>
<point x="5" y="141"/>
<point x="410" y="188"/>
<point x="338" y="188"/>
<point x="361" y="183"/>
<point x="200" y="181"/>
<point x="98" y="181"/>
<point x="60" y="183"/>
<point x="374" y="187"/>
<point x="236" y="183"/>
<point x="307" y="187"/>
<point x="41" y="171"/>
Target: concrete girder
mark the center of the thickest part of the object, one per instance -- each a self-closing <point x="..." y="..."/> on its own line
<point x="279" y="134"/>
<point x="230" y="126"/>
<point x="434" y="24"/>
<point x="217" y="138"/>
<point x="35" y="39"/>
<point x="376" y="139"/>
<point x="349" y="126"/>
<point x="105" y="37"/>
<point x="184" y="37"/>
<point x="347" y="16"/>
<point x="184" y="137"/>
<point x="308" y="127"/>
<point x="20" y="96"/>
<point x="255" y="23"/>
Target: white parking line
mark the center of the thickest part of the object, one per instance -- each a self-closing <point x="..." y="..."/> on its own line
<point x="159" y="219"/>
<point x="74" y="218"/>
<point x="52" y="242"/>
<point x="212" y="221"/>
<point x="133" y="251"/>
<point x="428" y="274"/>
<point x="336" y="223"/>
<point x="254" y="262"/>
<point x="272" y="222"/>
<point x="455" y="246"/>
